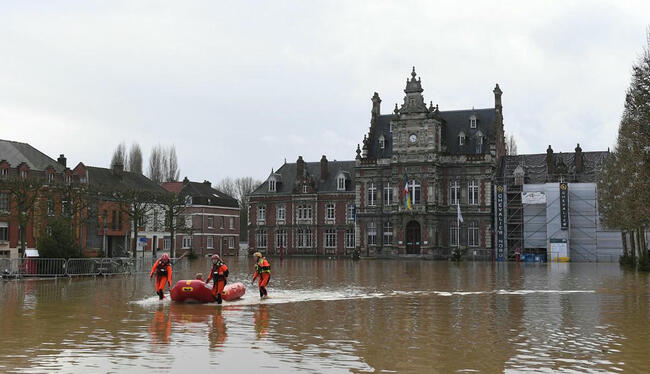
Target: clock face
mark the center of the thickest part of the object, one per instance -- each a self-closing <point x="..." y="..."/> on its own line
<point x="413" y="138"/>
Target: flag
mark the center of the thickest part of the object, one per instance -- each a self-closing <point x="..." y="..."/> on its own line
<point x="407" y="195"/>
<point x="460" y="216"/>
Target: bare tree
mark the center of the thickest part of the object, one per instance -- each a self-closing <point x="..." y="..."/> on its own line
<point x="172" y="171"/>
<point x="174" y="206"/>
<point x="156" y="164"/>
<point x="119" y="155"/>
<point x="24" y="192"/>
<point x="511" y="145"/>
<point x="136" y="205"/>
<point x="228" y="187"/>
<point x="135" y="159"/>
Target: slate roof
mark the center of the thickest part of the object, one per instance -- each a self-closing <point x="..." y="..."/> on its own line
<point x="205" y="194"/>
<point x="536" y="169"/>
<point x="287" y="173"/>
<point x="105" y="178"/>
<point x="454" y="121"/>
<point x="16" y="152"/>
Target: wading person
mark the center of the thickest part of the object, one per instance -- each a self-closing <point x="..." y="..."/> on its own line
<point x="162" y="268"/>
<point x="263" y="271"/>
<point x="218" y="274"/>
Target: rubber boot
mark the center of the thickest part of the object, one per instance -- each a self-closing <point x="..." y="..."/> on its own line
<point x="265" y="293"/>
<point x="160" y="294"/>
<point x="218" y="298"/>
<point x="261" y="292"/>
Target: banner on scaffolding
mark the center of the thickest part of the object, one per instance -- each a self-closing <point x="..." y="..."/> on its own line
<point x="533" y="198"/>
<point x="500" y="223"/>
<point x="564" y="206"/>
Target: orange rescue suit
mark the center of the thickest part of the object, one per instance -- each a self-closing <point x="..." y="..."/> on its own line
<point x="263" y="270"/>
<point x="218" y="274"/>
<point x="163" y="273"/>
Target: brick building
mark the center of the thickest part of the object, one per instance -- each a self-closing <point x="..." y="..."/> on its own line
<point x="211" y="216"/>
<point x="306" y="208"/>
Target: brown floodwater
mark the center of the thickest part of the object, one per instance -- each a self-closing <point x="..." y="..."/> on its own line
<point x="337" y="316"/>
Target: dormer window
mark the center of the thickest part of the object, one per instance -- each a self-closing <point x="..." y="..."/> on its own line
<point x="461" y="138"/>
<point x="340" y="183"/>
<point x="382" y="142"/>
<point x="271" y="185"/>
<point x="472" y="122"/>
<point x="305" y="189"/>
<point x="390" y="127"/>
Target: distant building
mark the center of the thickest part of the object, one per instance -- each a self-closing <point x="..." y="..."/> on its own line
<point x="212" y="219"/>
<point x="21" y="160"/>
<point x="305" y="208"/>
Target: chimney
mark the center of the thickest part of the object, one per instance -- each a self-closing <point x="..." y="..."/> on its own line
<point x="323" y="168"/>
<point x="376" y="105"/>
<point x="207" y="183"/>
<point x="578" y="159"/>
<point x="549" y="161"/>
<point x="118" y="169"/>
<point x="62" y="160"/>
<point x="300" y="168"/>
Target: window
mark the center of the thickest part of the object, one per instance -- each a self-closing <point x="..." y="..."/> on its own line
<point x="4" y="202"/>
<point x="390" y="127"/>
<point x="188" y="221"/>
<point x="472" y="122"/>
<point x="372" y="195"/>
<point x="350" y="212"/>
<point x="50" y="177"/>
<point x="23" y="174"/>
<point x="388" y="194"/>
<point x="329" y="211"/>
<point x="472" y="234"/>
<point x="330" y="238"/>
<point x="67" y="179"/>
<point x="261" y="238"/>
<point x="388" y="233"/>
<point x="188" y="200"/>
<point x="48" y="231"/>
<point x="472" y="189"/>
<point x="340" y="183"/>
<point x="231" y="242"/>
<point x="232" y="223"/>
<point x="210" y="222"/>
<point x="382" y="142"/>
<point x="349" y="238"/>
<point x="4" y="232"/>
<point x="304" y="212"/>
<point x="167" y="244"/>
<point x="281" y="239"/>
<point x="187" y="242"/>
<point x="4" y="172"/>
<point x="65" y="207"/>
<point x="50" y="207"/>
<point x="372" y="233"/>
<point x="454" y="193"/>
<point x="271" y="185"/>
<point x="210" y="242"/>
<point x="261" y="213"/>
<point x="453" y="235"/>
<point x="414" y="191"/>
<point x="305" y="189"/>
<point x="281" y="212"/>
<point x="221" y="219"/>
<point x="461" y="138"/>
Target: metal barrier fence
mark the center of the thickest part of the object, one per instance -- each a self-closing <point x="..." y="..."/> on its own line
<point x="60" y="267"/>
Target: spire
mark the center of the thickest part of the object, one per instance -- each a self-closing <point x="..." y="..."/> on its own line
<point x="413" y="101"/>
<point x="358" y="152"/>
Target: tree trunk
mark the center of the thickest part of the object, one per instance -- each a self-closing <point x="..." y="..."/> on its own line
<point x="642" y="244"/>
<point x="135" y="234"/>
<point x="632" y="244"/>
<point x="23" y="239"/>
<point x="172" y="246"/>
<point x="624" y="240"/>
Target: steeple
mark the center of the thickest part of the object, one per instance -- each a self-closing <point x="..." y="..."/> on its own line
<point x="413" y="101"/>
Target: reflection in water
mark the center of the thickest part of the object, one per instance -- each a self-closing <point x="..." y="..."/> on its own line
<point x="338" y="316"/>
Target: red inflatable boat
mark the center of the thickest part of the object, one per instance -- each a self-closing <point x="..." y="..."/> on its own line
<point x="199" y="292"/>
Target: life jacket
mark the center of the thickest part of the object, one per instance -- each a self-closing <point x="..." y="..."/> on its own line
<point x="262" y="266"/>
<point x="219" y="271"/>
<point x="162" y="268"/>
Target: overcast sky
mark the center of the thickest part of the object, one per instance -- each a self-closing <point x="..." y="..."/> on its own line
<point x="239" y="86"/>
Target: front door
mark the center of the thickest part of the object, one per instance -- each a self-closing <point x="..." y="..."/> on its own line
<point x="413" y="238"/>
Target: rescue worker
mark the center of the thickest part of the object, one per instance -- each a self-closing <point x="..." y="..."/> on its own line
<point x="263" y="270"/>
<point x="218" y="274"/>
<point x="163" y="270"/>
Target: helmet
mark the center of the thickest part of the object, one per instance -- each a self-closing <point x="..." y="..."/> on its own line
<point x="215" y="258"/>
<point x="257" y="254"/>
<point x="164" y="257"/>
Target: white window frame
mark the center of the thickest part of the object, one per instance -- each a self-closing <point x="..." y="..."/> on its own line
<point x="330" y="211"/>
<point x="330" y="238"/>
<point x="473" y="234"/>
<point x="4" y="172"/>
<point x="372" y="194"/>
<point x="414" y="186"/>
<point x="50" y="177"/>
<point x="261" y="238"/>
<point x="188" y="221"/>
<point x="271" y="185"/>
<point x="281" y="238"/>
<point x="472" y="122"/>
<point x="388" y="233"/>
<point x="305" y="188"/>
<point x="167" y="244"/>
<point x="281" y="212"/>
<point x="388" y="194"/>
<point x="210" y="222"/>
<point x="340" y="183"/>
<point x="187" y="242"/>
<point x="4" y="202"/>
<point x="261" y="213"/>
<point x="382" y="142"/>
<point x="472" y="192"/>
<point x="50" y="207"/>
<point x="372" y="233"/>
<point x="461" y="138"/>
<point x="349" y="212"/>
<point x="210" y="242"/>
<point x="231" y="242"/>
<point x="454" y="235"/>
<point x="454" y="193"/>
<point x="349" y="238"/>
<point x="232" y="223"/>
<point x="23" y="174"/>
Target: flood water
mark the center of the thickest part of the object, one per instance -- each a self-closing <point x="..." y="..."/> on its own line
<point x="337" y="316"/>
